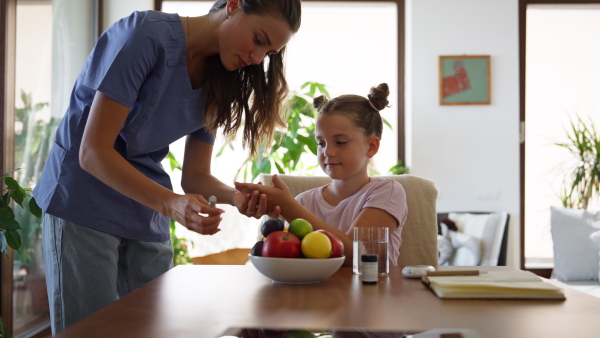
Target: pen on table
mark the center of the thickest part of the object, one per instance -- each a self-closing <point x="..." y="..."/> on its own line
<point x="453" y="273"/>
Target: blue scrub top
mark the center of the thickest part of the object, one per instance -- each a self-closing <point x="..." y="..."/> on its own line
<point x="140" y="61"/>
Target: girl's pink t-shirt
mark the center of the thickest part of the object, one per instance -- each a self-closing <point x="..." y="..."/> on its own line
<point x="381" y="193"/>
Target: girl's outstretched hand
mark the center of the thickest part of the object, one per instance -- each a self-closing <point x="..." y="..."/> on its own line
<point x="254" y="204"/>
<point x="187" y="209"/>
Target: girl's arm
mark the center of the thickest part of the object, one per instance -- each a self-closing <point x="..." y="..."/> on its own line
<point x="98" y="157"/>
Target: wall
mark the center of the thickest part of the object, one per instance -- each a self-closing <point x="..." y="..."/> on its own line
<point x="470" y="152"/>
<point x="117" y="9"/>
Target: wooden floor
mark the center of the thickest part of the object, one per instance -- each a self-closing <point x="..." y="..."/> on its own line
<point x="229" y="257"/>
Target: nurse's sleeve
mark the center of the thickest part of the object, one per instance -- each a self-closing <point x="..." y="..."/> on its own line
<point x="122" y="59"/>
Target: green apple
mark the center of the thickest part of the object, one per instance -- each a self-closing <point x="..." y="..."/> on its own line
<point x="300" y="227"/>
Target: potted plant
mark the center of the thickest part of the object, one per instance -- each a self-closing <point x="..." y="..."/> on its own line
<point x="582" y="175"/>
<point x="573" y="227"/>
<point x="9" y="236"/>
<point x="290" y="144"/>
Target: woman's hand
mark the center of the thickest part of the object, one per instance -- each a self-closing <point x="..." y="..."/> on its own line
<point x="275" y="196"/>
<point x="186" y="210"/>
<point x="254" y="204"/>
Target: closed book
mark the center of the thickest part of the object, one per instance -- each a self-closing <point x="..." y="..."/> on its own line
<point x="494" y="284"/>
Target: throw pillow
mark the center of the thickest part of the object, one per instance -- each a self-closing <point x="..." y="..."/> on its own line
<point x="595" y="237"/>
<point x="487" y="228"/>
<point x="576" y="256"/>
<point x="467" y="249"/>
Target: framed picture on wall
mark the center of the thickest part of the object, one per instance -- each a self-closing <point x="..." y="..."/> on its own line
<point x="465" y="79"/>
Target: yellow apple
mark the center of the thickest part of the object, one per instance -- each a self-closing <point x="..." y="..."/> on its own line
<point x="316" y="245"/>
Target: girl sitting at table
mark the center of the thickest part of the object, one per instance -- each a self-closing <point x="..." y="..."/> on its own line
<point x="348" y="133"/>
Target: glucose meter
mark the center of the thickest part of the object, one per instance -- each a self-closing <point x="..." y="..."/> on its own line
<point x="417" y="271"/>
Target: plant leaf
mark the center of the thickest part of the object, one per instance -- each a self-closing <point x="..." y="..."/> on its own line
<point x="7" y="213"/>
<point x="387" y="124"/>
<point x="13" y="239"/>
<point x="18" y="197"/>
<point x="11" y="183"/>
<point x="9" y="173"/>
<point x="9" y="224"/>
<point x="173" y="161"/>
<point x="34" y="208"/>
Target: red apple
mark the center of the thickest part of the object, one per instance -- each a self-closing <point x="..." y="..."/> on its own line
<point x="337" y="246"/>
<point x="281" y="244"/>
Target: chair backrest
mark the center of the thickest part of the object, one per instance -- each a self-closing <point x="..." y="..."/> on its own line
<point x="419" y="235"/>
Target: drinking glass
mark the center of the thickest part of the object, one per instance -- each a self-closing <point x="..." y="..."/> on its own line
<point x="371" y="241"/>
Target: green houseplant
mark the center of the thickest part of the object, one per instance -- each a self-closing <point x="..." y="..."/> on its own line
<point x="291" y="144"/>
<point x="582" y="175"/>
<point x="11" y="190"/>
<point x="10" y="228"/>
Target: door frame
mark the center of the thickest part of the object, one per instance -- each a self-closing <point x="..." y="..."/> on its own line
<point x="544" y="272"/>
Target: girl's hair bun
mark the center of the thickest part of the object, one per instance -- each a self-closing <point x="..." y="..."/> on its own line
<point x="319" y="102"/>
<point x="378" y="96"/>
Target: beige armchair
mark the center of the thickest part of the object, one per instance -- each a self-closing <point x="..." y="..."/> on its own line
<point x="419" y="235"/>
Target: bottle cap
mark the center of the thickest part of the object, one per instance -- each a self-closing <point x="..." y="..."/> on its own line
<point x="369" y="258"/>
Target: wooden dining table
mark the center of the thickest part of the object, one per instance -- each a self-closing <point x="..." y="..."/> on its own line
<point x="206" y="300"/>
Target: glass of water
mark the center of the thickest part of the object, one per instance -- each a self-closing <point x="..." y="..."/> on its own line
<point x="371" y="241"/>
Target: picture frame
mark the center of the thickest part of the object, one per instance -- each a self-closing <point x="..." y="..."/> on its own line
<point x="464" y="79"/>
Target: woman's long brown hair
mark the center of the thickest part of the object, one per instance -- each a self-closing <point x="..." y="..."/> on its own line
<point x="251" y="95"/>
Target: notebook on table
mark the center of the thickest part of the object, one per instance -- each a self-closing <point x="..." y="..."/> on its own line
<point x="494" y="284"/>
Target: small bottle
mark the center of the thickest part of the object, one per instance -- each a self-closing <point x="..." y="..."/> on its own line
<point x="369" y="269"/>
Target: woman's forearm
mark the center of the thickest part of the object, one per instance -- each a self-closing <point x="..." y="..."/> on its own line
<point x="111" y="168"/>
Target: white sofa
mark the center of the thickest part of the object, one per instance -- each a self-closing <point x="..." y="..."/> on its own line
<point x="576" y="241"/>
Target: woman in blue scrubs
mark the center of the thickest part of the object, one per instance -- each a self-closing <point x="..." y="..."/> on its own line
<point x="151" y="79"/>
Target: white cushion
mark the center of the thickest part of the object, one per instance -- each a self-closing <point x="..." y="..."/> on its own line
<point x="445" y="250"/>
<point x="576" y="255"/>
<point x="487" y="228"/>
<point x="595" y="237"/>
<point x="467" y="249"/>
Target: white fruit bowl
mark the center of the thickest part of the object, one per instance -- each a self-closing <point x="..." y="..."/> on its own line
<point x="296" y="270"/>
